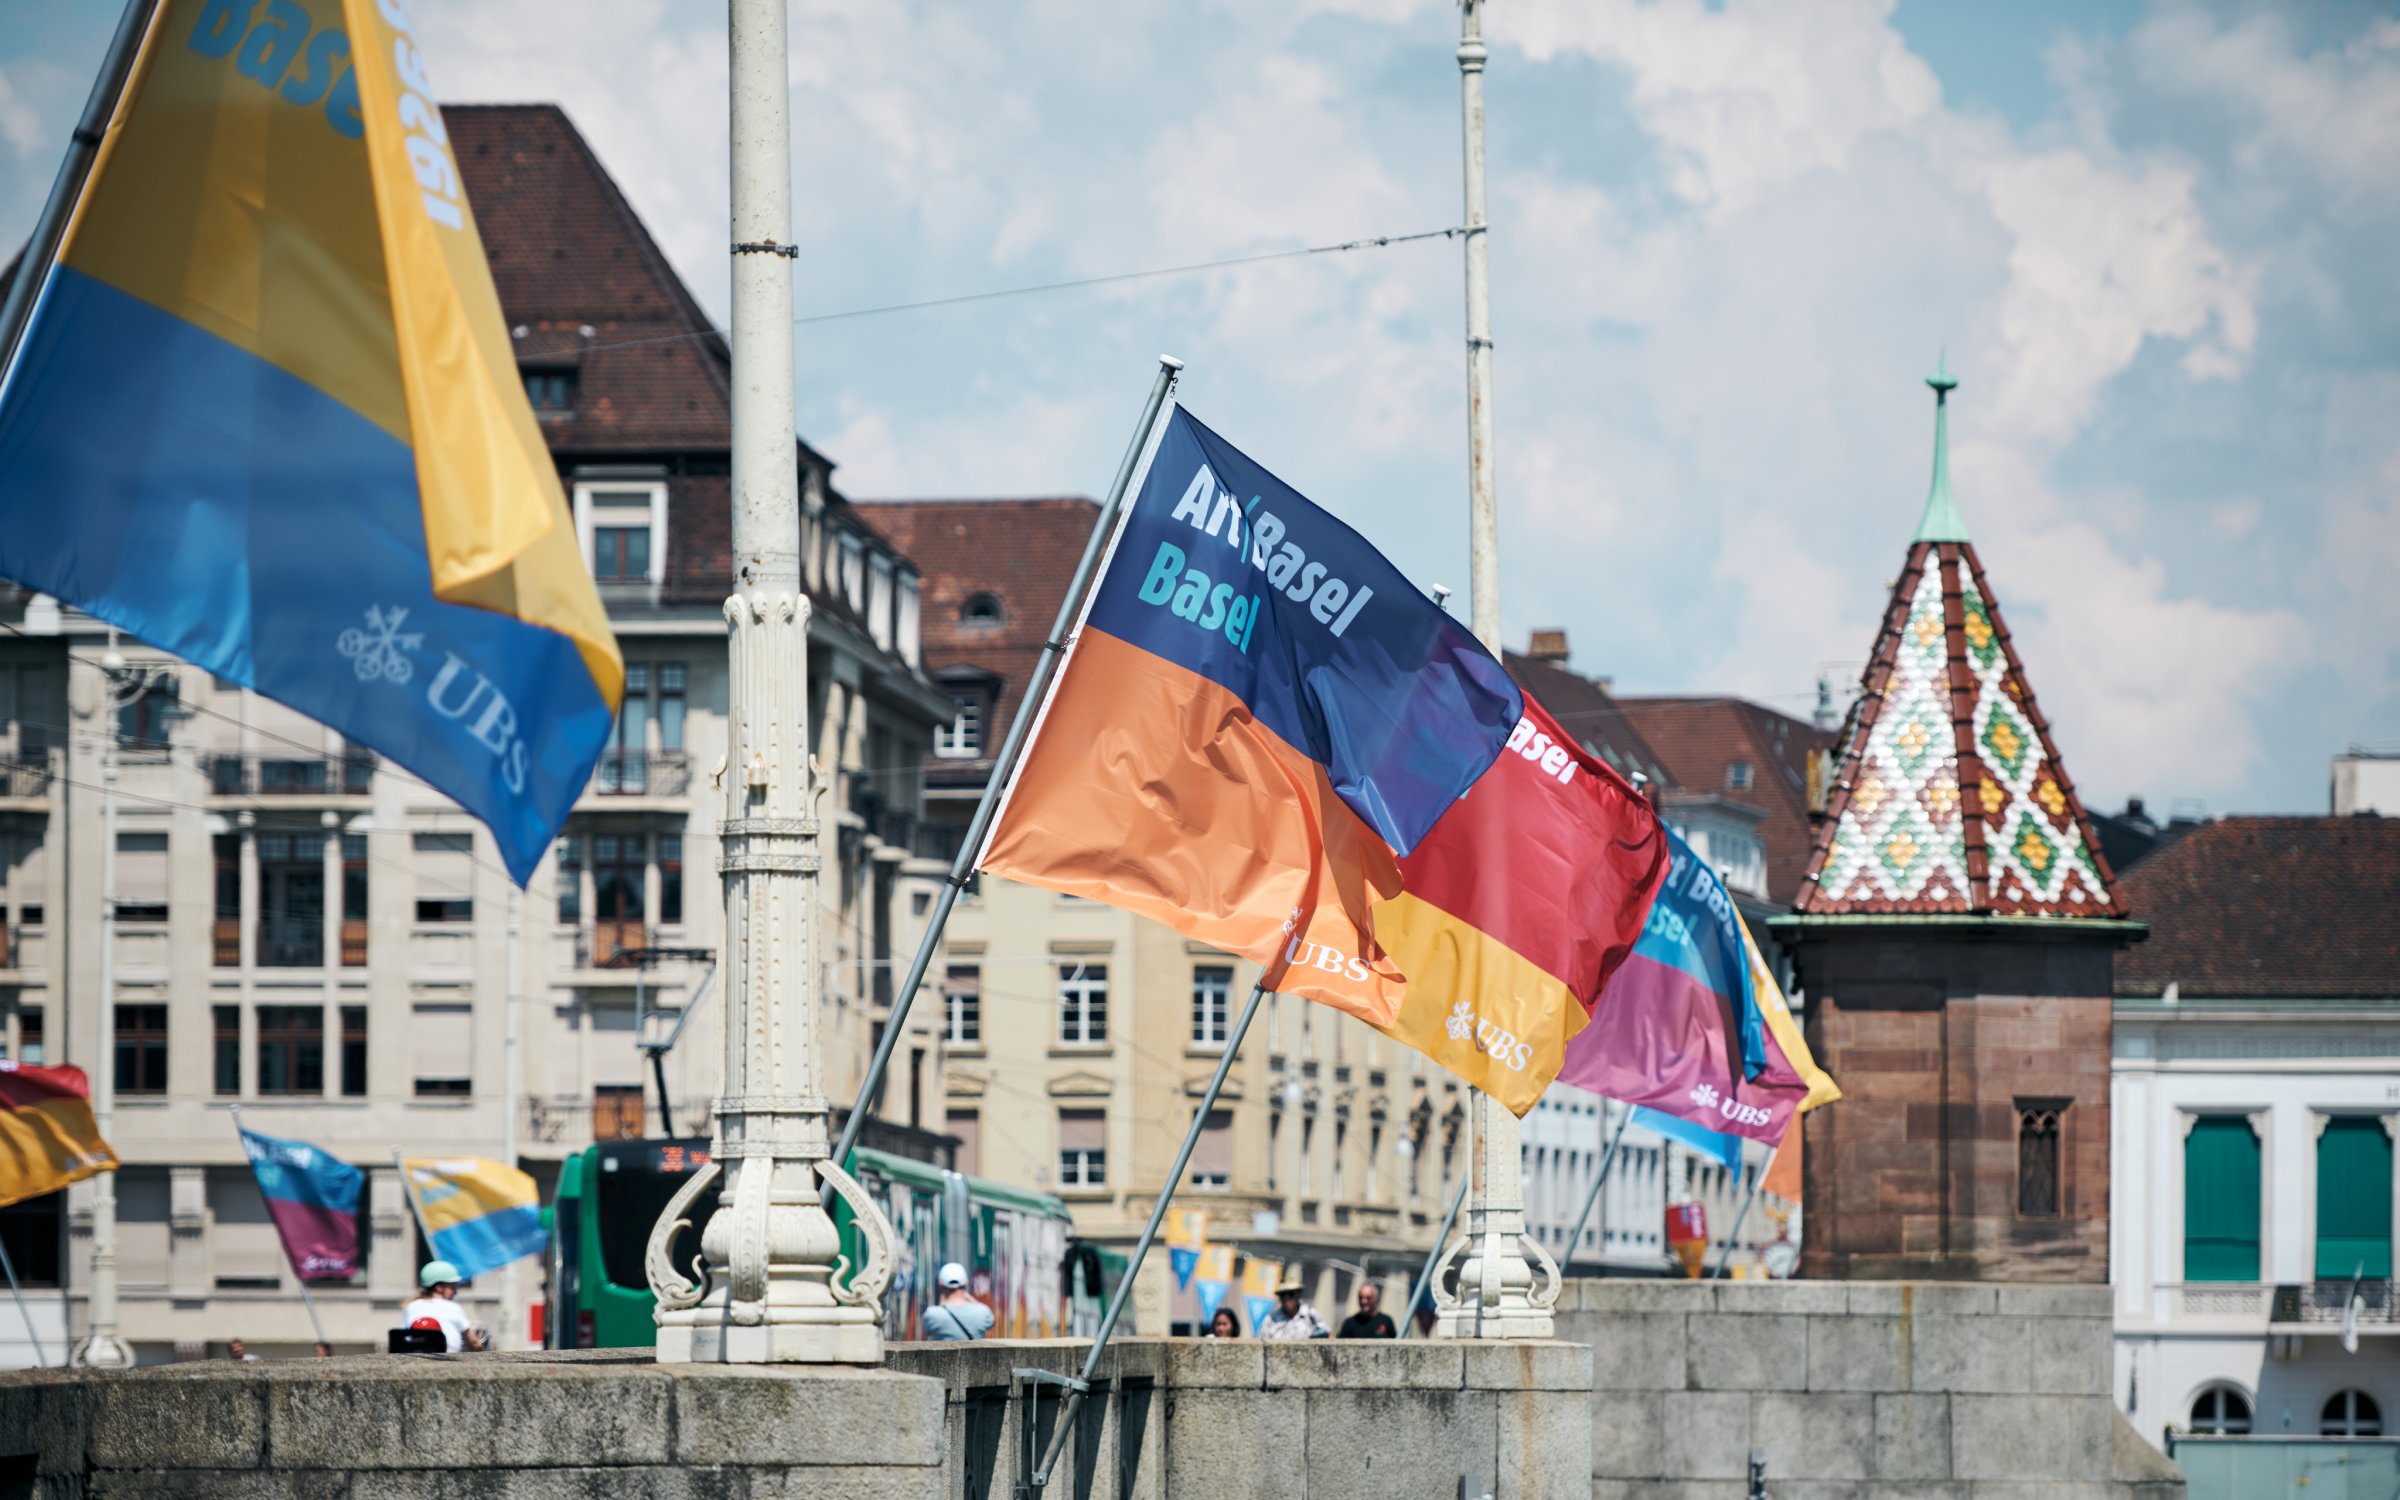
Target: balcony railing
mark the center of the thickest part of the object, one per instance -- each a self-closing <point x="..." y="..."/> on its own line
<point x="599" y="944"/>
<point x="2325" y="1302"/>
<point x="572" y="1119"/>
<point x="291" y="942"/>
<point x="642" y="773"/>
<point x="347" y="775"/>
<point x="24" y="773"/>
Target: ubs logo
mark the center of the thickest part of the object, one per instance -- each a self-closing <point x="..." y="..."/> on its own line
<point x="459" y="693"/>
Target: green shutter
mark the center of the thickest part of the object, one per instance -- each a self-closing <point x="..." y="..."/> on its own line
<point x="2354" y="1199"/>
<point x="2220" y="1200"/>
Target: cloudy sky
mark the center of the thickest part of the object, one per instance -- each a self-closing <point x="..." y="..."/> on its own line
<point x="1729" y="241"/>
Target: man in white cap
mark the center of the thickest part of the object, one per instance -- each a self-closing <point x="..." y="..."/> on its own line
<point x="958" y="1315"/>
<point x="439" y="1306"/>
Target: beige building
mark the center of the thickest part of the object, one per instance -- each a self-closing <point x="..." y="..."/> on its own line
<point x="312" y="935"/>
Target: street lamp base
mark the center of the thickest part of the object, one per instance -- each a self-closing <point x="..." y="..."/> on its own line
<point x="102" y="1351"/>
<point x="1511" y="1305"/>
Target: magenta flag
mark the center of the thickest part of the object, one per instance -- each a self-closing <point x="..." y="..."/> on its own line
<point x="313" y="1200"/>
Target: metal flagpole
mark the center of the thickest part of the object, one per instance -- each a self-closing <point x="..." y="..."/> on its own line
<point x="1081" y="1386"/>
<point x="307" y="1299"/>
<point x="1434" y="1255"/>
<point x="32" y="1335"/>
<point x="1607" y="1160"/>
<point x="1735" y="1233"/>
<point x="1500" y="1258"/>
<point x="416" y="1210"/>
<point x="33" y="266"/>
<point x="962" y="868"/>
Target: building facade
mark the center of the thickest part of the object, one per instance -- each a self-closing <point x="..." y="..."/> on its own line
<point x="309" y="935"/>
<point x="2257" y="1091"/>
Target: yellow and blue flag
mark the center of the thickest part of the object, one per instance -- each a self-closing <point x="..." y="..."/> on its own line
<point x="265" y="414"/>
<point x="478" y="1215"/>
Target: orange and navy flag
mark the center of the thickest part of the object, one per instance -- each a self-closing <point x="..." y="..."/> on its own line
<point x="47" y="1135"/>
<point x="266" y="414"/>
<point x="1267" y="739"/>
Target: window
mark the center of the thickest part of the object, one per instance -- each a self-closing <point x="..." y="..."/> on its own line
<point x="962" y="1001"/>
<point x="854" y="571"/>
<point x="226" y="935"/>
<point x="619" y="875"/>
<point x="552" y="392"/>
<point x="1737" y="776"/>
<point x="291" y="1049"/>
<point x="980" y="609"/>
<point x="1212" y="997"/>
<point x="616" y="1112"/>
<point x="444" y="1035"/>
<point x="670" y="705"/>
<point x="1082" y="1004"/>
<point x="623" y="527"/>
<point x="2220" y="1200"/>
<point x="354" y="900"/>
<point x="1082" y="1148"/>
<point x="354" y="1051"/>
<point x="625" y="769"/>
<point x="1212" y="1154"/>
<point x="670" y="879"/>
<point x="570" y="881"/>
<point x="2220" y="1411"/>
<point x="2351" y="1414"/>
<point x="144" y="721"/>
<point x="141" y="1060"/>
<point x="445" y="877"/>
<point x="141" y="877"/>
<point x="291" y="900"/>
<point x="2037" y="1160"/>
<point x="962" y="737"/>
<point x="28" y="882"/>
<point x="2354" y="1199"/>
<point x="967" y="1125"/>
<point x="226" y="1025"/>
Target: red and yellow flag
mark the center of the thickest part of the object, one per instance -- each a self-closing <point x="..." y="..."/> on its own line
<point x="47" y="1135"/>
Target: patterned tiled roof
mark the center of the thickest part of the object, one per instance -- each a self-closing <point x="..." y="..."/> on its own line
<point x="1951" y="797"/>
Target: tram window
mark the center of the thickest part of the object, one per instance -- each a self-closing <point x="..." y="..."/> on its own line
<point x="634" y="1186"/>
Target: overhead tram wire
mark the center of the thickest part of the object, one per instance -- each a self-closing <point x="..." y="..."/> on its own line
<point x="1373" y="242"/>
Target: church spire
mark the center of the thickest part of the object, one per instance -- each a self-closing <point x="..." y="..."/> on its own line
<point x="1942" y="522"/>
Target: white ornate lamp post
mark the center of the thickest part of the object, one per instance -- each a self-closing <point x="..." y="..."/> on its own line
<point x="1496" y="1297"/>
<point x="766" y="1289"/>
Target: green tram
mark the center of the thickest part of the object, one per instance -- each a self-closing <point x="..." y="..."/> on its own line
<point x="1020" y="1255"/>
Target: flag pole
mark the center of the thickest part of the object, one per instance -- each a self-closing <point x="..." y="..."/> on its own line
<point x="962" y="868"/>
<point x="1607" y="1160"/>
<point x="33" y="1335"/>
<point x="33" y="265"/>
<point x="1725" y="1253"/>
<point x="307" y="1298"/>
<point x="416" y="1210"/>
<point x="1434" y="1255"/>
<point x="1081" y="1386"/>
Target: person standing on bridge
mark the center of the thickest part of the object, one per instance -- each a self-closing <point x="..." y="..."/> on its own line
<point x="1367" y="1322"/>
<point x="1292" y="1318"/>
<point x="958" y="1315"/>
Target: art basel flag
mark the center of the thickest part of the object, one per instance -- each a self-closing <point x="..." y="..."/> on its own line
<point x="47" y="1136"/>
<point x="478" y="1215"/>
<point x="1261" y="722"/>
<point x="265" y="414"/>
<point x="313" y="1200"/>
<point x="1669" y="1029"/>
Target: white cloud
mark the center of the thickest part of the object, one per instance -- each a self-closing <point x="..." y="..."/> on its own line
<point x="19" y="125"/>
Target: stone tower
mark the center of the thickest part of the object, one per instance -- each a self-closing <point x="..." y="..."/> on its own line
<point x="1955" y="936"/>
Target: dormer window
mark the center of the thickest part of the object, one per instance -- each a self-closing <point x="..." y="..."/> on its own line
<point x="980" y="609"/>
<point x="624" y="531"/>
<point x="1737" y="776"/>
<point x="552" y="392"/>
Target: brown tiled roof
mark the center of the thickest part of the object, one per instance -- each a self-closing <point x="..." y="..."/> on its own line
<point x="1022" y="552"/>
<point x="568" y="252"/>
<point x="1698" y="738"/>
<point x="2269" y="908"/>
<point x="1586" y="710"/>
